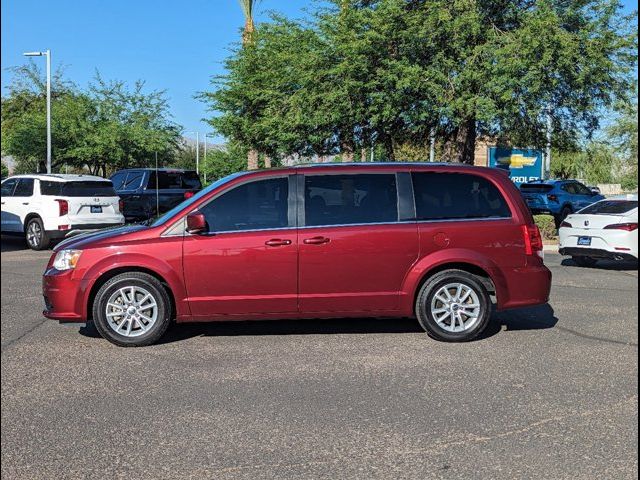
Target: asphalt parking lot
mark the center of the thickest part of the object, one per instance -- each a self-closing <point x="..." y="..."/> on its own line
<point x="549" y="392"/>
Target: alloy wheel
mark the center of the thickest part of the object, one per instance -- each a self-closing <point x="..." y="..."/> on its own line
<point x="34" y="234"/>
<point x="456" y="307"/>
<point x="131" y="311"/>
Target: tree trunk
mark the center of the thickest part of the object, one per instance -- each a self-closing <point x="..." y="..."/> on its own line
<point x="247" y="34"/>
<point x="347" y="152"/>
<point x="252" y="160"/>
<point x="363" y="155"/>
<point x="388" y="149"/>
<point x="267" y="161"/>
<point x="465" y="142"/>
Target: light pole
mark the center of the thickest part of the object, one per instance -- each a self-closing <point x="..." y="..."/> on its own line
<point x="46" y="53"/>
<point x="197" y="151"/>
<point x="547" y="158"/>
<point x="432" y="145"/>
<point x="206" y="135"/>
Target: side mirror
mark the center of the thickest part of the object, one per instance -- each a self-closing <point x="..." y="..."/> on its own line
<point x="196" y="223"/>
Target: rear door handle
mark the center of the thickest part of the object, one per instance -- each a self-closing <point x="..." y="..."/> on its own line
<point x="316" y="240"/>
<point x="25" y="203"/>
<point x="277" y="242"/>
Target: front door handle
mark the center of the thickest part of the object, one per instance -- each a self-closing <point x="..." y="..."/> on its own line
<point x="316" y="240"/>
<point x="277" y="242"/>
<point x="25" y="203"/>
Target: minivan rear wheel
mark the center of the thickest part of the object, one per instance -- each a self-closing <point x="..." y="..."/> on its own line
<point x="132" y="310"/>
<point x="453" y="306"/>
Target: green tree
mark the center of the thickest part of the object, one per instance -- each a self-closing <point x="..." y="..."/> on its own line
<point x="391" y="71"/>
<point x="221" y="162"/>
<point x="103" y="128"/>
<point x="623" y="136"/>
<point x="5" y="170"/>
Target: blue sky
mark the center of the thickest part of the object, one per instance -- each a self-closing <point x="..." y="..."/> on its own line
<point x="173" y="46"/>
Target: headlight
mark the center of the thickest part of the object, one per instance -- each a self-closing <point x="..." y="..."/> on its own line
<point x="66" y="259"/>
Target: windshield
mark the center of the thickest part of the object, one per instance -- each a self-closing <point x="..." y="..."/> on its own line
<point x="610" y="207"/>
<point x="535" y="188"/>
<point x="195" y="198"/>
<point x="87" y="188"/>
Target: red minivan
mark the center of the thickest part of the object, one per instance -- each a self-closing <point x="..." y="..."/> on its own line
<point x="438" y="242"/>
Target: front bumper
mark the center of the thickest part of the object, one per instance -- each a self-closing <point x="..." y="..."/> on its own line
<point x="64" y="296"/>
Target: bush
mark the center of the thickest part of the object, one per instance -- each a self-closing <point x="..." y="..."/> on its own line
<point x="547" y="226"/>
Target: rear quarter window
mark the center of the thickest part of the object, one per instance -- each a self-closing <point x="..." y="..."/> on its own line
<point x="451" y="196"/>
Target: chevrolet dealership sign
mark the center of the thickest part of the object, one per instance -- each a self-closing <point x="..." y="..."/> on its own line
<point x="524" y="165"/>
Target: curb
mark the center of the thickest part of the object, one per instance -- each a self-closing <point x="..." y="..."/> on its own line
<point x="551" y="248"/>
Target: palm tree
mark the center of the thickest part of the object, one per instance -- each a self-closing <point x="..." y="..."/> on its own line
<point x="249" y="28"/>
<point x="247" y="34"/>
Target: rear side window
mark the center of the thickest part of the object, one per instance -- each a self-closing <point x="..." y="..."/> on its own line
<point x="258" y="205"/>
<point x="133" y="181"/>
<point x="174" y="180"/>
<point x="118" y="180"/>
<point x="78" y="189"/>
<point x="350" y="199"/>
<point x="24" y="188"/>
<point x="450" y="196"/>
<point x="610" y="207"/>
<point x="581" y="189"/>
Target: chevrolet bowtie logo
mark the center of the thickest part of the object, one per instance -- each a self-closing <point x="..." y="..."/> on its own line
<point x="517" y="160"/>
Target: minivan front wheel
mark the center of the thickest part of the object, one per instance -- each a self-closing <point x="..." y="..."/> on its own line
<point x="453" y="306"/>
<point x="132" y="310"/>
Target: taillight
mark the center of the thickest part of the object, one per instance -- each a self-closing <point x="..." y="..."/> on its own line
<point x="121" y="205"/>
<point x="532" y="240"/>
<point x="188" y="195"/>
<point x="553" y="198"/>
<point x="63" y="207"/>
<point x="629" y="227"/>
<point x="566" y="224"/>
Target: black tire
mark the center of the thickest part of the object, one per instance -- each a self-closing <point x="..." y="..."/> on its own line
<point x="126" y="280"/>
<point x="561" y="217"/>
<point x="431" y="288"/>
<point x="585" y="261"/>
<point x="35" y="234"/>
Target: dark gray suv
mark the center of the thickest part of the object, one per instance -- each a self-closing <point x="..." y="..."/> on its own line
<point x="147" y="192"/>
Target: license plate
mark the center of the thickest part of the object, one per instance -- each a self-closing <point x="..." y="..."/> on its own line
<point x="96" y="209"/>
<point x="584" y="241"/>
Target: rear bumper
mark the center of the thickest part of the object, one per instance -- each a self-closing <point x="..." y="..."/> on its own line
<point x="525" y="287"/>
<point x="63" y="296"/>
<point x="596" y="253"/>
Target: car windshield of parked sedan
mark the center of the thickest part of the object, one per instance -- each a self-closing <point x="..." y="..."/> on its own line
<point x="195" y="198"/>
<point x="610" y="207"/>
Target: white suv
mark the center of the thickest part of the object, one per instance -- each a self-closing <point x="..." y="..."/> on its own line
<point x="48" y="207"/>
